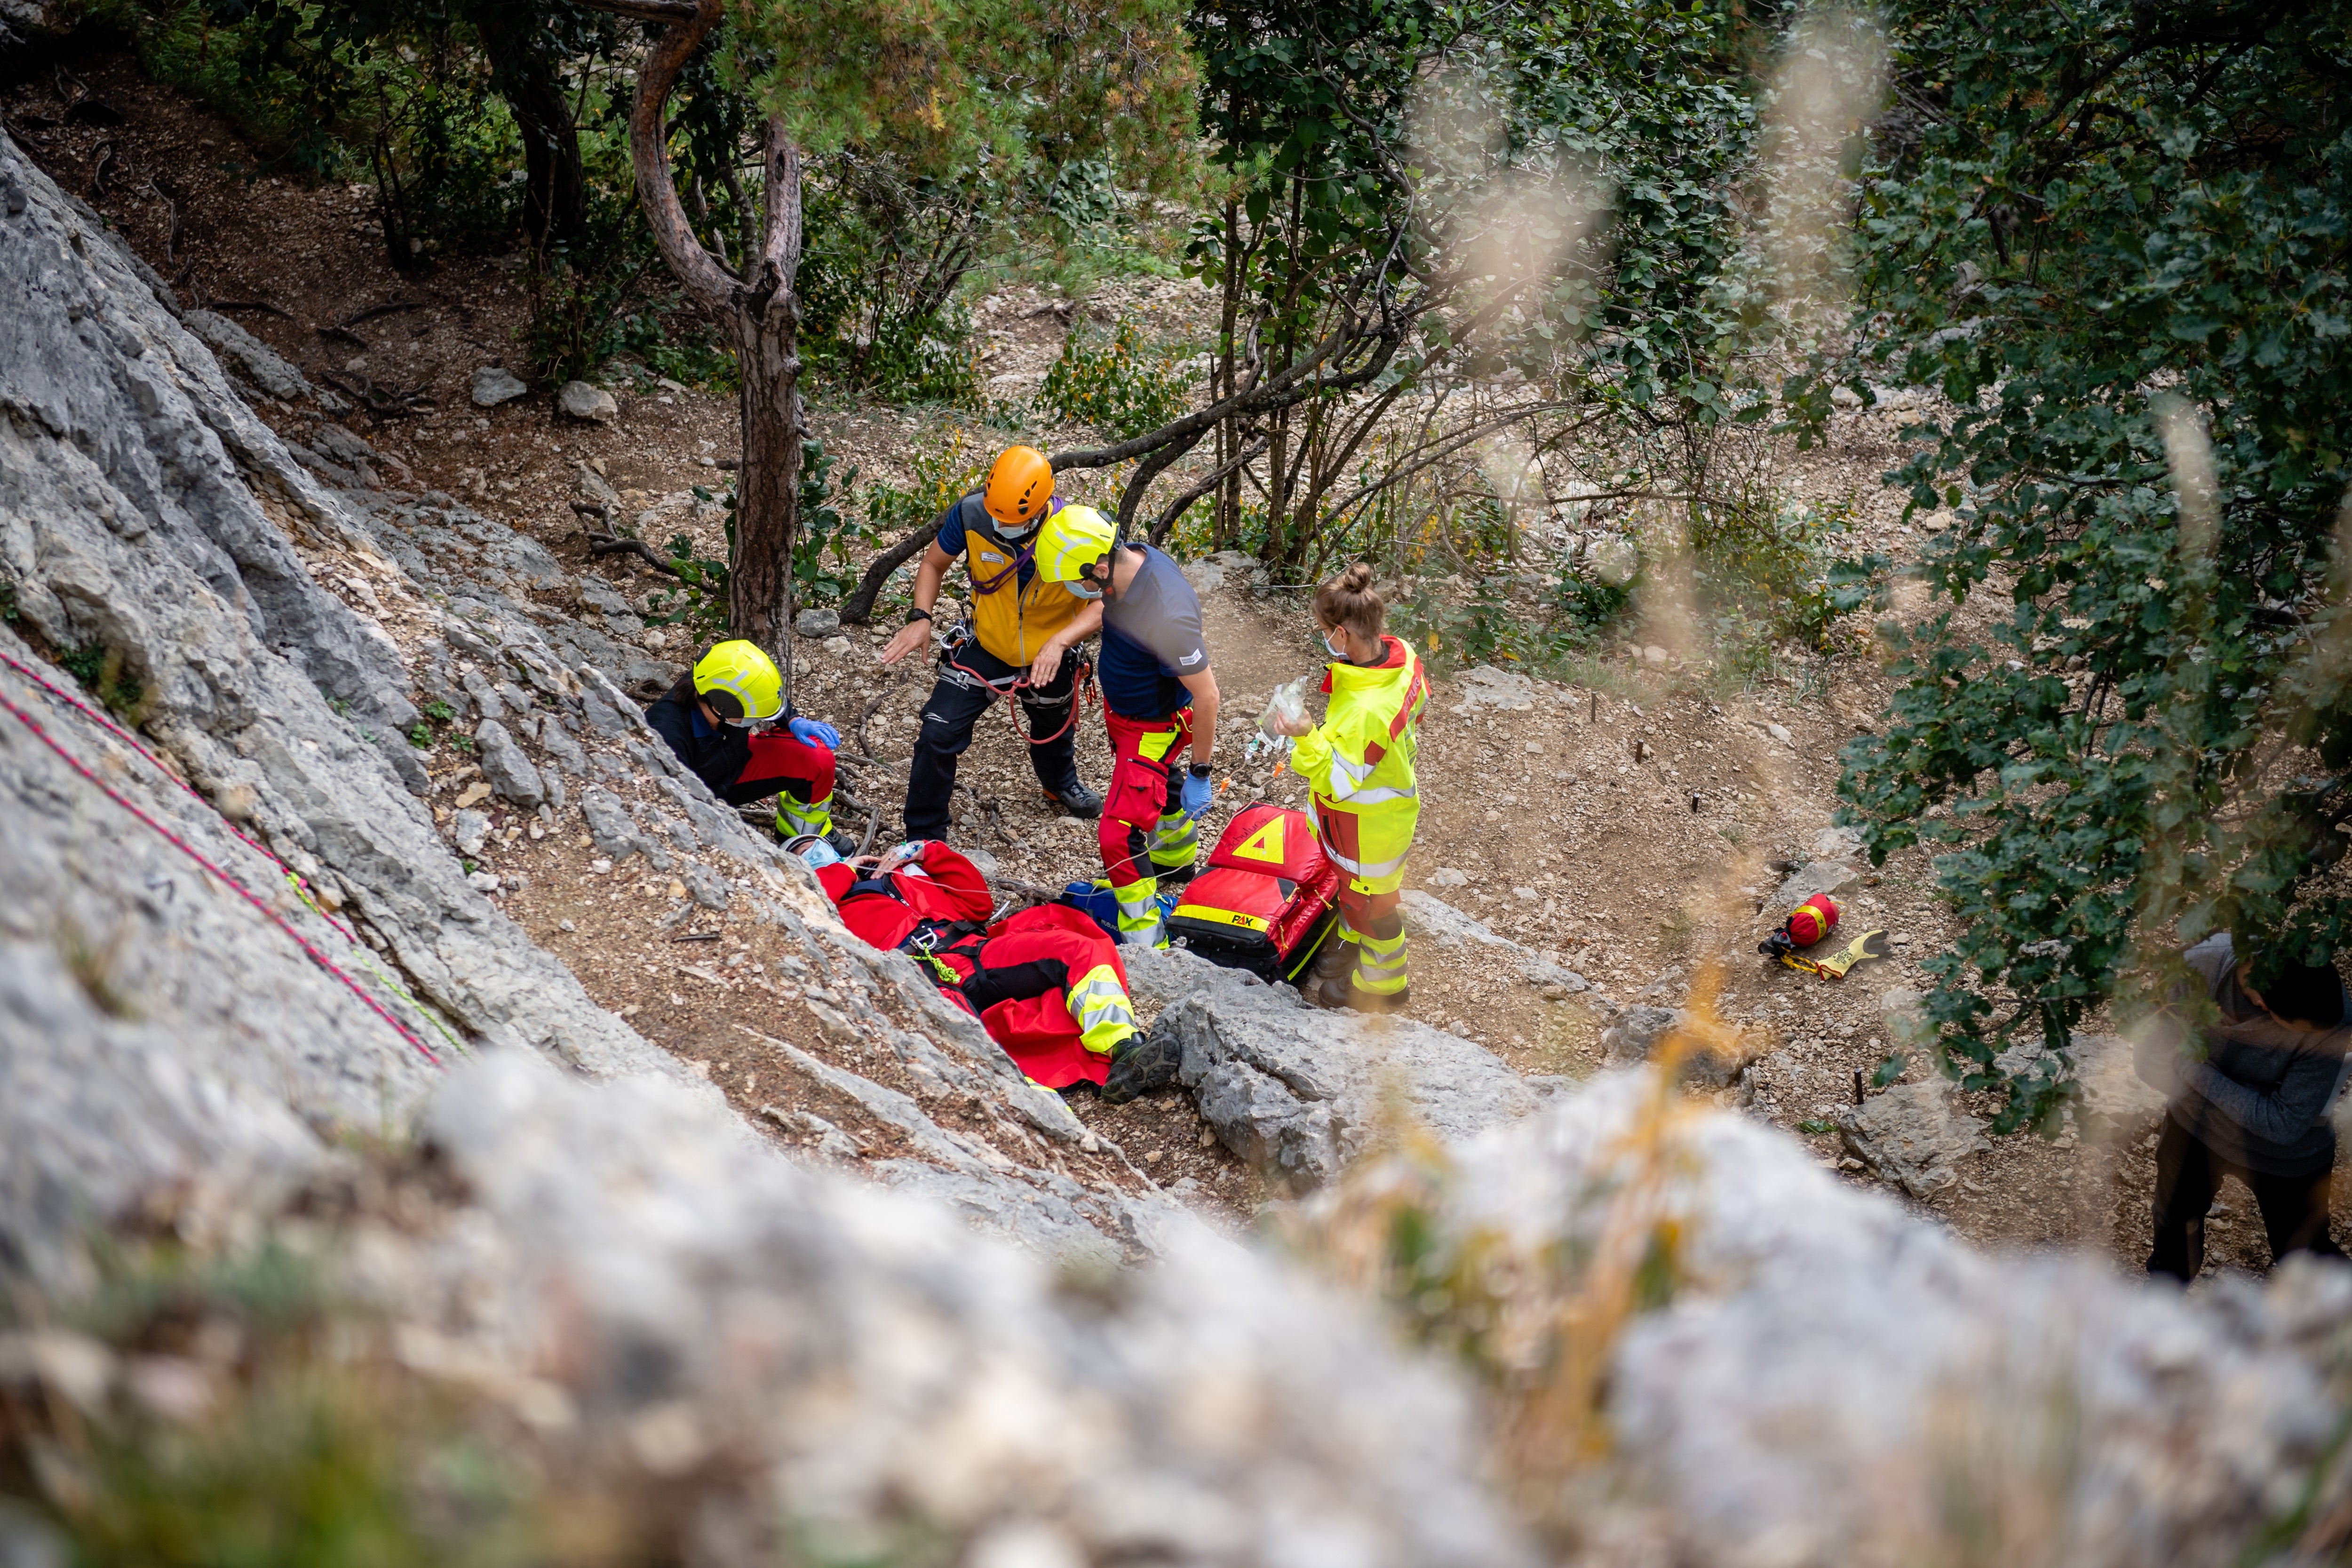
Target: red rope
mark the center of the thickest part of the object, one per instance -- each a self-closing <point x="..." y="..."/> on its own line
<point x="321" y="959"/>
<point x="1080" y="689"/>
<point x="120" y="733"/>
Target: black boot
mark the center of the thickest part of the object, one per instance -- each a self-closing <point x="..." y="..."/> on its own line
<point x="1075" y="798"/>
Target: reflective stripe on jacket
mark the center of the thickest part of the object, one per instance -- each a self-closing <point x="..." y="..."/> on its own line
<point x="1361" y="756"/>
<point x="1360" y="764"/>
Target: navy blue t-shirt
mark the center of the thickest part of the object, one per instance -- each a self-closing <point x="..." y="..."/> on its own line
<point x="1151" y="635"/>
<point x="968" y="516"/>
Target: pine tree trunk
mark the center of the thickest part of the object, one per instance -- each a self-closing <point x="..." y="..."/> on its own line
<point x="760" y="310"/>
<point x="767" y="486"/>
<point x="555" y="187"/>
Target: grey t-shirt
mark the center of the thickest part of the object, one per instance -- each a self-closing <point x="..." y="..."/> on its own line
<point x="1151" y="635"/>
<point x="2260" y="1099"/>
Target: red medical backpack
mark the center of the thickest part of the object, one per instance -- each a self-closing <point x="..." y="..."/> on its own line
<point x="1267" y="900"/>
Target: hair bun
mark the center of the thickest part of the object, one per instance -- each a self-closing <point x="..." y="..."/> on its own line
<point x="1357" y="578"/>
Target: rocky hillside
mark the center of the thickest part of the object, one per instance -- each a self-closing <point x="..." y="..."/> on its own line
<point x="264" y="991"/>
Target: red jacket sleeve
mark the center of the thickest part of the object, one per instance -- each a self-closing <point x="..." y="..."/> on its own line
<point x="960" y="880"/>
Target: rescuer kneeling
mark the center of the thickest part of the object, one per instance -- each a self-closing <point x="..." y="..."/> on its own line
<point x="720" y="718"/>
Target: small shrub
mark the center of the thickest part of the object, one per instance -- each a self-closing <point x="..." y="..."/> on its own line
<point x="100" y="671"/>
<point x="421" y="737"/>
<point x="84" y="664"/>
<point x="1122" y="386"/>
<point x="887" y="252"/>
<point x="701" y="600"/>
<point x="1776" y="565"/>
<point x="826" y="530"/>
<point x="581" y="292"/>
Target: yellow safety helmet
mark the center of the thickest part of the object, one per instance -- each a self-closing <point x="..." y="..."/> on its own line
<point x="1019" y="486"/>
<point x="1073" y="539"/>
<point x="741" y="682"/>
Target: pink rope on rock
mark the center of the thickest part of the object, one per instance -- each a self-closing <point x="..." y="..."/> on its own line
<point x="321" y="959"/>
<point x="106" y="723"/>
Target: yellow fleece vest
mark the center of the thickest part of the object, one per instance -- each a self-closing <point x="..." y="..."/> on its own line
<point x="1013" y="622"/>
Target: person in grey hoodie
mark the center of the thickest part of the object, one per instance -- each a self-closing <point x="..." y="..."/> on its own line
<point x="2255" y="1107"/>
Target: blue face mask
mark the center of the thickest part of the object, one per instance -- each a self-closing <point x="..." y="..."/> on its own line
<point x="1337" y="650"/>
<point x="817" y="852"/>
<point x="1085" y="590"/>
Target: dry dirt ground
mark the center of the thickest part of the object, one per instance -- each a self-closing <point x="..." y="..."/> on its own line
<point x="1627" y="828"/>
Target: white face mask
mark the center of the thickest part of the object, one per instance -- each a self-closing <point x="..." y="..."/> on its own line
<point x="1336" y="649"/>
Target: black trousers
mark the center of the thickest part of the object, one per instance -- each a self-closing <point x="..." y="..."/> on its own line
<point x="2188" y="1172"/>
<point x="957" y="703"/>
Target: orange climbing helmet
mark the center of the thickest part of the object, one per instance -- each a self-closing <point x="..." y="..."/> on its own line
<point x="1020" y="488"/>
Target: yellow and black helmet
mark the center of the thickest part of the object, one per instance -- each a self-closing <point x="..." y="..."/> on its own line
<point x="741" y="682"/>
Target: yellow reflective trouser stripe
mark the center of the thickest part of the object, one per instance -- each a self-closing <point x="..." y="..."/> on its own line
<point x="1099" y="1005"/>
<point x="1154" y="747"/>
<point x="1176" y="841"/>
<point x="1379" y="964"/>
<point x="1135" y="901"/>
<point x="1367" y="869"/>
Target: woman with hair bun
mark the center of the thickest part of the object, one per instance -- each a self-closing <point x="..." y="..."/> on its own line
<point x="1358" y="763"/>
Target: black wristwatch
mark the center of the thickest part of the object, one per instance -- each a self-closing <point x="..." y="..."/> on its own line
<point x="1202" y="770"/>
<point x="918" y="614"/>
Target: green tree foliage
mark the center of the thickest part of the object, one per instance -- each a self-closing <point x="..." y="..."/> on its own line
<point x="444" y="97"/>
<point x="1557" y="188"/>
<point x="2114" y="234"/>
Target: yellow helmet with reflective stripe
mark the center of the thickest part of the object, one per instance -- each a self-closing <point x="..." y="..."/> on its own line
<point x="739" y="681"/>
<point x="1073" y="539"/>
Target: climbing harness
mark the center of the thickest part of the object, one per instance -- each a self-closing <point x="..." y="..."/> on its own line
<point x="1082" y="686"/>
<point x="308" y="949"/>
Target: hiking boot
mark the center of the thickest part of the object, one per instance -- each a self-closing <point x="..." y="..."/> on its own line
<point x="1377" y="1001"/>
<point x="1328" y="991"/>
<point x="1076" y="799"/>
<point x="1335" y="960"/>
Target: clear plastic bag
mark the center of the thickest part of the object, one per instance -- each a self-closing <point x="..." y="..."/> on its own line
<point x="1287" y="705"/>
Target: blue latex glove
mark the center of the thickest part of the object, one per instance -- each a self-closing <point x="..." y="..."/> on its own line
<point x="809" y="732"/>
<point x="1196" y="793"/>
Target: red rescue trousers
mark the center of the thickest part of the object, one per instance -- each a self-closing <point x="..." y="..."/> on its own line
<point x="800" y="773"/>
<point x="1144" y="832"/>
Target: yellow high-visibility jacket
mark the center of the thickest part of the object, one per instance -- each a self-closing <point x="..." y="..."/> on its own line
<point x="1359" y="764"/>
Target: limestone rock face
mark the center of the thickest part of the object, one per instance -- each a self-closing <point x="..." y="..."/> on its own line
<point x="259" y="361"/>
<point x="865" y="1363"/>
<point x="1430" y="916"/>
<point x="1299" y="1092"/>
<point x="1835" y="1382"/>
<point x="1914" y="1134"/>
<point x="133" y="518"/>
